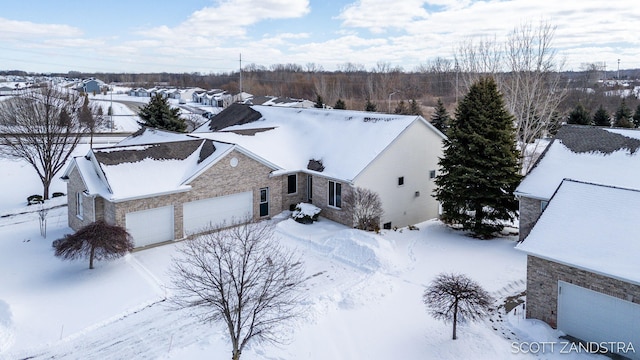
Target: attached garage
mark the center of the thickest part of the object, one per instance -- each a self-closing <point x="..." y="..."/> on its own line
<point x="593" y="316"/>
<point x="227" y="209"/>
<point x="150" y="226"/>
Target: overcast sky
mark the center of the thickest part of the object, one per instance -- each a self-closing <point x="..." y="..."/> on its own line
<point x="209" y="35"/>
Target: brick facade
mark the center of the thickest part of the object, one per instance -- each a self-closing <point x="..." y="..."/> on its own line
<point x="542" y="287"/>
<point x="220" y="179"/>
<point x="530" y="210"/>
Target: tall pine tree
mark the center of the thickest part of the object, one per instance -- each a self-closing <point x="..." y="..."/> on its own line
<point x="340" y="105"/>
<point x="636" y="116"/>
<point x="602" y="117"/>
<point x="579" y="116"/>
<point x="369" y="106"/>
<point x="159" y="114"/>
<point x="479" y="171"/>
<point x="440" y="119"/>
<point x="623" y="117"/>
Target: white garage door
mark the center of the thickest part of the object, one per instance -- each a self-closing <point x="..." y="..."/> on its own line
<point x="592" y="316"/>
<point x="150" y="226"/>
<point x="228" y="209"/>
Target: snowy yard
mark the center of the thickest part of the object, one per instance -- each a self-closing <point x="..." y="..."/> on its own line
<point x="363" y="296"/>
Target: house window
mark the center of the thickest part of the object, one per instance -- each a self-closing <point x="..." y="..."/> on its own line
<point x="432" y="174"/>
<point x="401" y="181"/>
<point x="387" y="226"/>
<point x="292" y="184"/>
<point x="79" y="210"/>
<point x="309" y="188"/>
<point x="335" y="194"/>
<point x="264" y="202"/>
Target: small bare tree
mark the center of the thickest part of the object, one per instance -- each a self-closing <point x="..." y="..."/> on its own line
<point x="365" y="206"/>
<point x="242" y="277"/>
<point x="98" y="240"/>
<point x="40" y="126"/>
<point x="451" y="297"/>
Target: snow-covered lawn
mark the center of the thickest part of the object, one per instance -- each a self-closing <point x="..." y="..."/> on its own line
<point x="364" y="295"/>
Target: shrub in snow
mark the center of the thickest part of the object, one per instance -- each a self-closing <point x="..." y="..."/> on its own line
<point x="306" y="213"/>
<point x="97" y="240"/>
<point x="35" y="199"/>
<point x="366" y="208"/>
<point x="57" y="194"/>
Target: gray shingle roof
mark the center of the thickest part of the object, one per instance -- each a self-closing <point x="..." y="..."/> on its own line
<point x="584" y="139"/>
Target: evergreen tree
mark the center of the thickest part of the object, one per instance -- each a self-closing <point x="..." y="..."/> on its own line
<point x="401" y="108"/>
<point x="414" y="108"/>
<point x="340" y="105"/>
<point x="579" y="116"/>
<point x="602" y="117"/>
<point x="369" y="106"/>
<point x="636" y="117"/>
<point x="479" y="170"/>
<point x="159" y="114"/>
<point x="623" y="117"/>
<point x="319" y="102"/>
<point x="86" y="118"/>
<point x="440" y="119"/>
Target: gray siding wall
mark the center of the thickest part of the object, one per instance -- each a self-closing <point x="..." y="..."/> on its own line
<point x="542" y="287"/>
<point x="75" y="186"/>
<point x="530" y="210"/>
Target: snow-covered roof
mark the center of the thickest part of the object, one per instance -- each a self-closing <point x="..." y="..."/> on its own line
<point x="343" y="141"/>
<point x="589" y="154"/>
<point x="142" y="170"/>
<point x="150" y="136"/>
<point x="591" y="227"/>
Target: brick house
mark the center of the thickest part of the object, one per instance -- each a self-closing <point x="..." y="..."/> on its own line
<point x="583" y="273"/>
<point x="585" y="153"/>
<point x="256" y="161"/>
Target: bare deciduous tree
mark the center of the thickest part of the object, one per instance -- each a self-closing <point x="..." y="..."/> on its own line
<point x="527" y="72"/>
<point x="455" y="297"/>
<point x="41" y="127"/>
<point x="365" y="206"/>
<point x="242" y="277"/>
<point x="96" y="241"/>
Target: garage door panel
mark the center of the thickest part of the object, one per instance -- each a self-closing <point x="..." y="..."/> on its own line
<point x="593" y="316"/>
<point x="207" y="213"/>
<point x="150" y="226"/>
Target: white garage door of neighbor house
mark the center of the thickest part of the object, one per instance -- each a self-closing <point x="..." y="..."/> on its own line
<point x="150" y="226"/>
<point x="228" y="209"/>
<point x="592" y="316"/>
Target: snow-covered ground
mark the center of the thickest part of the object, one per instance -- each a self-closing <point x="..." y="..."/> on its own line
<point x="364" y="295"/>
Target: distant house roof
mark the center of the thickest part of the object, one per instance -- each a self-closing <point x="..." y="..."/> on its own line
<point x="147" y="135"/>
<point x="590" y="227"/>
<point x="341" y="142"/>
<point x="133" y="171"/>
<point x="278" y="101"/>
<point x="585" y="153"/>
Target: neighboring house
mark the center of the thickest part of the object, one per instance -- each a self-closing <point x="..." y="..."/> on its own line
<point x="583" y="273"/>
<point x="591" y="154"/>
<point x="323" y="154"/>
<point x="7" y="90"/>
<point x="256" y="161"/>
<point x="163" y="186"/>
<point x="91" y="86"/>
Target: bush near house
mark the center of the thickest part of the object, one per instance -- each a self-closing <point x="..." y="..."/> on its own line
<point x="306" y="213"/>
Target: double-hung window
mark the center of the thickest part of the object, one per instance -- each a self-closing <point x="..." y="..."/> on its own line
<point x="335" y="194"/>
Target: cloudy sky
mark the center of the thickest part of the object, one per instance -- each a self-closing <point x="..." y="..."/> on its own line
<point x="209" y="35"/>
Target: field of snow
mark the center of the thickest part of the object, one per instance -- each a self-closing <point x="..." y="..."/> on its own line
<point x="363" y="296"/>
